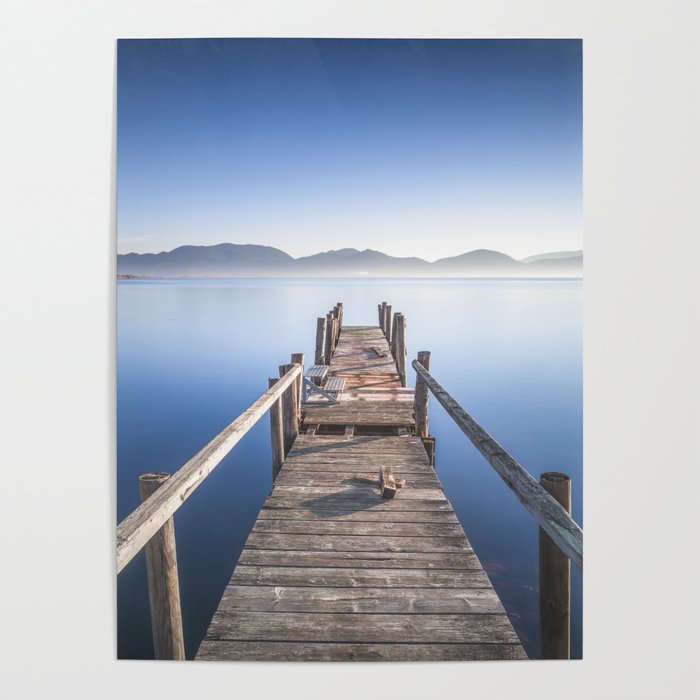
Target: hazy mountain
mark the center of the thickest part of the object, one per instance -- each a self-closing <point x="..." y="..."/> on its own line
<point x="571" y="266"/>
<point x="552" y="256"/>
<point x="223" y="260"/>
<point x="480" y="262"/>
<point x="232" y="260"/>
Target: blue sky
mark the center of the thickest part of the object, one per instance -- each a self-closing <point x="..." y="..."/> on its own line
<point x="412" y="147"/>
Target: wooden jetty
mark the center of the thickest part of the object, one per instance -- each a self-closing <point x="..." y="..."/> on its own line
<point x="331" y="571"/>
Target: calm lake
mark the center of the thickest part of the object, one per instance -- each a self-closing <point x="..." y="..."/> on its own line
<point x="192" y="355"/>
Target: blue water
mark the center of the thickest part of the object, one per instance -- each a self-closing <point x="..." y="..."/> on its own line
<point x="193" y="354"/>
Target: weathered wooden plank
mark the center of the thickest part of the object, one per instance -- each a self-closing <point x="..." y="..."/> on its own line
<point x="319" y="576"/>
<point x="340" y="651"/>
<point x="362" y="627"/>
<point x="361" y="543"/>
<point x="353" y="491"/>
<point x="305" y="478"/>
<point x="551" y="516"/>
<point x="360" y="503"/>
<point x="468" y="601"/>
<point x="393" y="516"/>
<point x="360" y="560"/>
<point x="142" y="523"/>
<point x="320" y="527"/>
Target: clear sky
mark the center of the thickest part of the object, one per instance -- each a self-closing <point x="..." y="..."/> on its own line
<point x="412" y="147"/>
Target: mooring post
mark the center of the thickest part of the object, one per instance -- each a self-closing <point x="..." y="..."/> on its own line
<point x="328" y="351"/>
<point x="276" y="432"/>
<point x="290" y="412"/>
<point x="340" y="314"/>
<point x="379" y="315"/>
<point x="163" y="584"/>
<point x="383" y="317"/>
<point x="336" y="335"/>
<point x="320" y="355"/>
<point x="298" y="359"/>
<point x="401" y="346"/>
<point x="421" y="394"/>
<point x="389" y="323"/>
<point x="555" y="579"/>
<point x="393" y="335"/>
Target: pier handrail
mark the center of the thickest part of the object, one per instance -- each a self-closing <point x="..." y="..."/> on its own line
<point x="142" y="523"/>
<point x="553" y="519"/>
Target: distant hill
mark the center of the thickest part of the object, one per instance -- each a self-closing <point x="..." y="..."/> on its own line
<point x="235" y="260"/>
<point x="551" y="256"/>
<point x="223" y="260"/>
<point x="482" y="263"/>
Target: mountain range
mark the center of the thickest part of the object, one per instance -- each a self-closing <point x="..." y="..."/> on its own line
<point x="236" y="260"/>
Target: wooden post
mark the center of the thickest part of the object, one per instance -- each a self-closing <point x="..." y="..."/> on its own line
<point x="392" y="335"/>
<point x="429" y="444"/>
<point x="328" y="351"/>
<point x="389" y="323"/>
<point x="382" y="316"/>
<point x="335" y="335"/>
<point x="401" y="347"/>
<point x="320" y="356"/>
<point x="290" y="412"/>
<point x="420" y="400"/>
<point x="555" y="579"/>
<point x="163" y="584"/>
<point x="276" y="433"/>
<point x="298" y="359"/>
<point x="340" y="314"/>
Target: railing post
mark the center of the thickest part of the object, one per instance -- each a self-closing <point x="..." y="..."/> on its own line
<point x="320" y="356"/>
<point x="290" y="412"/>
<point x="555" y="579"/>
<point x="421" y="394"/>
<point x="163" y="584"/>
<point x="298" y="359"/>
<point x="328" y="352"/>
<point x="400" y="343"/>
<point x="340" y="314"/>
<point x="383" y="317"/>
<point x="276" y="433"/>
<point x="388" y="324"/>
<point x="379" y="316"/>
<point x="393" y="335"/>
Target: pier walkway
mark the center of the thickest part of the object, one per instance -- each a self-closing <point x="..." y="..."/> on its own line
<point x="332" y="571"/>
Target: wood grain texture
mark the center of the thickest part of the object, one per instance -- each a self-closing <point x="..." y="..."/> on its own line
<point x="344" y="651"/>
<point x="330" y="570"/>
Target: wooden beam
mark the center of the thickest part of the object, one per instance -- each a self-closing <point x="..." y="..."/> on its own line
<point x="142" y="523"/>
<point x="555" y="521"/>
<point x="330" y="340"/>
<point x="339" y="306"/>
<point x="389" y="322"/>
<point x="555" y="579"/>
<point x="298" y="358"/>
<point x="400" y="344"/>
<point x="421" y="394"/>
<point x="290" y="412"/>
<point x="163" y="584"/>
<point x="320" y="354"/>
<point x="277" y="432"/>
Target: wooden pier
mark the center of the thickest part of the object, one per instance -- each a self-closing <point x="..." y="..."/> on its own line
<point x="334" y="568"/>
<point x="331" y="571"/>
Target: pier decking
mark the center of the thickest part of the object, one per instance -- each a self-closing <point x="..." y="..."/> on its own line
<point x="331" y="571"/>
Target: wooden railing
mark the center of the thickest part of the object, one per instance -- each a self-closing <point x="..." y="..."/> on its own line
<point x="551" y="516"/>
<point x="151" y="524"/>
<point x="549" y="501"/>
